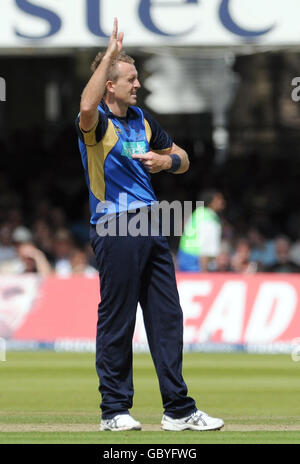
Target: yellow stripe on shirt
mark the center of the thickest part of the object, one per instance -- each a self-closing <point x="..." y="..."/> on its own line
<point x="96" y="155"/>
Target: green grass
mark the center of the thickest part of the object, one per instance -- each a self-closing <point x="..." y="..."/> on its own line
<point x="166" y="438"/>
<point x="57" y="394"/>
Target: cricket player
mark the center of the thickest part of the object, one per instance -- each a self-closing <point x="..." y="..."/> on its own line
<point x="121" y="145"/>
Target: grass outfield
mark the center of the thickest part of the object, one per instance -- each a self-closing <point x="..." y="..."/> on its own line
<point x="49" y="397"/>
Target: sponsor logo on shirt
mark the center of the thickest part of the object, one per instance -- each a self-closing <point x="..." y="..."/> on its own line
<point x="133" y="148"/>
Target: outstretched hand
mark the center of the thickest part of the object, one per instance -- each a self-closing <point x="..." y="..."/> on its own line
<point x="116" y="41"/>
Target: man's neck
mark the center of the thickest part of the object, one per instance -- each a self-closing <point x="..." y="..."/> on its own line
<point x="117" y="108"/>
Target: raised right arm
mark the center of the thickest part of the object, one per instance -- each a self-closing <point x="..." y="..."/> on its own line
<point x="95" y="88"/>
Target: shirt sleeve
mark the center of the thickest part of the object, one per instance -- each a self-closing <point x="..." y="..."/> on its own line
<point x="96" y="134"/>
<point x="159" y="140"/>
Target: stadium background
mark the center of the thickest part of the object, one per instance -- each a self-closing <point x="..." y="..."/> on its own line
<point x="218" y="75"/>
<point x="225" y="97"/>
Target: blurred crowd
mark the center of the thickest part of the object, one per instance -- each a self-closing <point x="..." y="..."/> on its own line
<point x="222" y="248"/>
<point x="51" y="245"/>
<point x="255" y="253"/>
<point x="44" y="212"/>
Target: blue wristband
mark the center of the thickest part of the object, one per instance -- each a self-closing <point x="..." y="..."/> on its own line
<point x="176" y="163"/>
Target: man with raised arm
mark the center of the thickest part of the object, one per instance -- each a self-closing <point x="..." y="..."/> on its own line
<point x="121" y="146"/>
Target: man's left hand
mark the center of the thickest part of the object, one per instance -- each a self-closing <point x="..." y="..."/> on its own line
<point x="154" y="162"/>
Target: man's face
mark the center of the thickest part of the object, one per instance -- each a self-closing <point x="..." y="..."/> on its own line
<point x="126" y="85"/>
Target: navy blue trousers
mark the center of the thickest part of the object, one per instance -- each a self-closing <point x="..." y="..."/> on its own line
<point x="138" y="269"/>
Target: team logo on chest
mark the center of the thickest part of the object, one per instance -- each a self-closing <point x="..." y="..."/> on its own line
<point x="133" y="148"/>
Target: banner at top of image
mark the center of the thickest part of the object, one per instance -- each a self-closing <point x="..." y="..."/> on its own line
<point x="85" y="23"/>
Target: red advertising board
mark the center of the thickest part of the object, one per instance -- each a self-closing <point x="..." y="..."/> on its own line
<point x="259" y="309"/>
